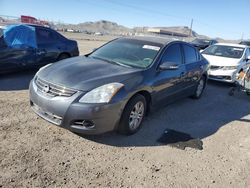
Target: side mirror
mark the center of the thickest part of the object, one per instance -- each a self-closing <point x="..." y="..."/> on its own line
<point x="168" y="66"/>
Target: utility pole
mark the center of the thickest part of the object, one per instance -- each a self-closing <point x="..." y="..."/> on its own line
<point x="191" y="28"/>
<point x="242" y="36"/>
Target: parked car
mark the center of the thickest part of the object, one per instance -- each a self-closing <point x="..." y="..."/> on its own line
<point x="225" y="59"/>
<point x="28" y="46"/>
<point x="114" y="87"/>
<point x="201" y="44"/>
<point x="245" y="42"/>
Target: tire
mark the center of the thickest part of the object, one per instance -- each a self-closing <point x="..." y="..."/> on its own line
<point x="200" y="88"/>
<point x="135" y="107"/>
<point x="63" y="56"/>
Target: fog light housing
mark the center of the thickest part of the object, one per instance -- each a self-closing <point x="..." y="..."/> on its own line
<point x="84" y="123"/>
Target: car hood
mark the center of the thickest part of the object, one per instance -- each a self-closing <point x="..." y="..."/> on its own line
<point x="221" y="61"/>
<point x="83" y="73"/>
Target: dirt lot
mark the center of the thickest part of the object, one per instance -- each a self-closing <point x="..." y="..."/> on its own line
<point x="34" y="153"/>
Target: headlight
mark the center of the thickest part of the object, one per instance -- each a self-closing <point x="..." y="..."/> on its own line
<point x="230" y="67"/>
<point x="102" y="94"/>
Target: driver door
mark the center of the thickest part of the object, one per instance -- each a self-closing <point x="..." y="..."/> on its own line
<point x="169" y="83"/>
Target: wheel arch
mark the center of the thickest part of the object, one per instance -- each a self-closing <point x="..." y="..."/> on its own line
<point x="64" y="53"/>
<point x="146" y="94"/>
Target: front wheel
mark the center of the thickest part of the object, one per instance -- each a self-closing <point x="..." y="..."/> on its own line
<point x="200" y="88"/>
<point x="133" y="115"/>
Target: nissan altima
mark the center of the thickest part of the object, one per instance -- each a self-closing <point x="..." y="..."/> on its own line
<point x="115" y="86"/>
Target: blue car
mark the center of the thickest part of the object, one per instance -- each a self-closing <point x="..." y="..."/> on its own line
<point x="30" y="46"/>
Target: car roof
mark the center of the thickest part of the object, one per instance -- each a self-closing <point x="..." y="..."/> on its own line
<point x="204" y="39"/>
<point x="232" y="44"/>
<point x="153" y="39"/>
<point x="29" y="24"/>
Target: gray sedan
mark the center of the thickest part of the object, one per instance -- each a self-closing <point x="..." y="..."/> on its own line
<point x="115" y="86"/>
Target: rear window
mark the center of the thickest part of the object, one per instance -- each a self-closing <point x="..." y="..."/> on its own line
<point x="201" y="41"/>
<point x="45" y="36"/>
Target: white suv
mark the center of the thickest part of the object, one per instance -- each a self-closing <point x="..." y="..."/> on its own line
<point x="225" y="59"/>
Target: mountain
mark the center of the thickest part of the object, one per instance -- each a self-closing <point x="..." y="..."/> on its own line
<point x="102" y="26"/>
<point x="112" y="28"/>
<point x="107" y="27"/>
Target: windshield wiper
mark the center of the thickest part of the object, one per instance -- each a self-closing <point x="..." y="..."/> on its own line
<point x="112" y="61"/>
<point x="121" y="64"/>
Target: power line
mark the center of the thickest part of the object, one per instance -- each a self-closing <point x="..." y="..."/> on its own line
<point x="147" y="10"/>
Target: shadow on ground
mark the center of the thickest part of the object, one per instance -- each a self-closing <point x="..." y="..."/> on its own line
<point x="198" y="118"/>
<point x="16" y="81"/>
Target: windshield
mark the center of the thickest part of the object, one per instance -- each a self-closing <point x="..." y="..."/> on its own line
<point x="128" y="52"/>
<point x="201" y="41"/>
<point x="224" y="51"/>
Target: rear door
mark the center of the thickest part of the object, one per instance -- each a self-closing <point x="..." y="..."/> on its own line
<point x="169" y="83"/>
<point x="48" y="45"/>
<point x="193" y="64"/>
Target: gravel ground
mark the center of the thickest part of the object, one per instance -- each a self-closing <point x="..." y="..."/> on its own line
<point x="35" y="153"/>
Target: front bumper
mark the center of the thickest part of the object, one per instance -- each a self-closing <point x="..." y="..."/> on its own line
<point x="68" y="113"/>
<point x="222" y="75"/>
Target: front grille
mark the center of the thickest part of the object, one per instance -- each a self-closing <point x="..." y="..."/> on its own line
<point x="53" y="90"/>
<point x="212" y="67"/>
<point x="220" y="77"/>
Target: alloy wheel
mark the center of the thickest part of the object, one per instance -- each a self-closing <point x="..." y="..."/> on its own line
<point x="200" y="87"/>
<point x="136" y="115"/>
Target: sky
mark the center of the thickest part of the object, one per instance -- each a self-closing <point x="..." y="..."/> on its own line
<point x="228" y="19"/>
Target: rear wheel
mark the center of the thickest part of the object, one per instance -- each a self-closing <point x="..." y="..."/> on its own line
<point x="133" y="115"/>
<point x="200" y="88"/>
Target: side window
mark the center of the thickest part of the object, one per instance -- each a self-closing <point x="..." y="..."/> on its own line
<point x="173" y="54"/>
<point x="44" y="36"/>
<point x="246" y="52"/>
<point x="190" y="54"/>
